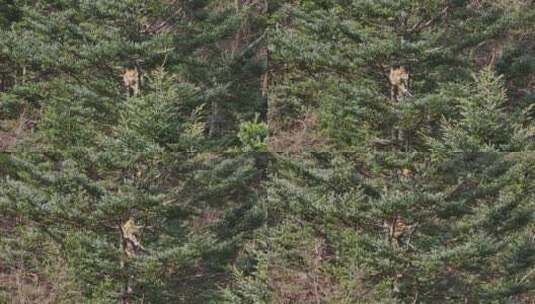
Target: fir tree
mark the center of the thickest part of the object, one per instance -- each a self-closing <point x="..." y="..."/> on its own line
<point x="394" y="228"/>
<point x="333" y="59"/>
<point x="104" y="158"/>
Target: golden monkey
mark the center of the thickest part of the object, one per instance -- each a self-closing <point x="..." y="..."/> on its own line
<point x="399" y="81"/>
<point x="131" y="80"/>
<point x="399" y="88"/>
<point x="396" y="229"/>
<point x="131" y="246"/>
<point x="130" y="234"/>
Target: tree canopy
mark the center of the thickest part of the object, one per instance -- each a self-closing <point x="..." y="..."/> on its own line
<point x="267" y="151"/>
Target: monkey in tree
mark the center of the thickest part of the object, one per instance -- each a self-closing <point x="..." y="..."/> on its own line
<point x="130" y="234"/>
<point x="399" y="88"/>
<point x="131" y="247"/>
<point x="406" y="172"/>
<point x="132" y="81"/>
<point x="397" y="229"/>
<point x="399" y="82"/>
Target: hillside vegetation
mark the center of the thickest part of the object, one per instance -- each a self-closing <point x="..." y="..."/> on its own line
<point x="267" y="151"/>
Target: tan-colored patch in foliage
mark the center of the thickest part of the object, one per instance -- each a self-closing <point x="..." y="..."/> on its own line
<point x="131" y="81"/>
<point x="399" y="82"/>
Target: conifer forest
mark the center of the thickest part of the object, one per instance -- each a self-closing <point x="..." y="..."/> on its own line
<point x="267" y="151"/>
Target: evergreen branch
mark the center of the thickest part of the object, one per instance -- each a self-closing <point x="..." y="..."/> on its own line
<point x="250" y="46"/>
<point x="419" y="26"/>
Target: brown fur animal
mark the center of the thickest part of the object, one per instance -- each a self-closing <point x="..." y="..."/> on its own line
<point x="131" y="81"/>
<point x="399" y="82"/>
<point x="399" y="88"/>
<point x="406" y="172"/>
<point x="130" y="233"/>
<point x="131" y="247"/>
<point x="397" y="229"/>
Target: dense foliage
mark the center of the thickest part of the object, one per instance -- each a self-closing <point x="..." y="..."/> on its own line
<point x="331" y="61"/>
<point x="263" y="151"/>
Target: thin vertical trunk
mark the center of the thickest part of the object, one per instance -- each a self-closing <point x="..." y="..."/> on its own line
<point x="21" y="123"/>
<point x="265" y="88"/>
<point x="126" y="289"/>
<point x="214" y="121"/>
<point x="23" y="74"/>
<point x="237" y="36"/>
